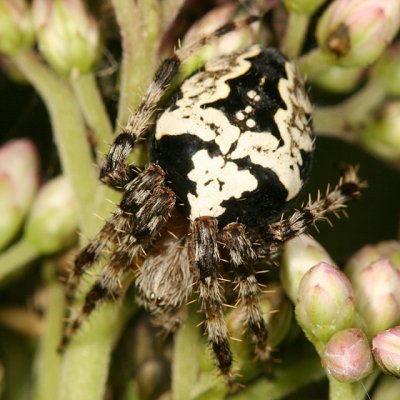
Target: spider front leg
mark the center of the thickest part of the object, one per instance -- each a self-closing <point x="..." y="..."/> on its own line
<point x="333" y="202"/>
<point x="145" y="207"/>
<point x="242" y="257"/>
<point x="204" y="231"/>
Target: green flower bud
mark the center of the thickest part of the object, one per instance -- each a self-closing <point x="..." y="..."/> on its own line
<point x="386" y="351"/>
<point x="68" y="36"/>
<point x="302" y="6"/>
<point x="53" y="222"/>
<point x="299" y="255"/>
<point x="19" y="180"/>
<point x="355" y="32"/>
<point x="325" y="303"/>
<point x="347" y="356"/>
<point x="377" y="294"/>
<point x="16" y="28"/>
<point x="382" y="136"/>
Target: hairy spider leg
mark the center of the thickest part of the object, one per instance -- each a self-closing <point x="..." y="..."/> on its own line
<point x="204" y="232"/>
<point x="242" y="257"/>
<point x="333" y="202"/>
<point x="142" y="213"/>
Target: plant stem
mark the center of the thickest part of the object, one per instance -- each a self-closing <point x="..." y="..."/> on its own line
<point x="303" y="369"/>
<point x="346" y="119"/>
<point x="185" y="368"/>
<point x="69" y="132"/>
<point x="17" y="257"/>
<point x="94" y="111"/>
<point x="312" y="63"/>
<point x="87" y="359"/>
<point x="48" y="362"/>
<point x="140" y="27"/>
<point x="296" y="30"/>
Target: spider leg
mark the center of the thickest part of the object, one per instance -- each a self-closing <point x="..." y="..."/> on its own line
<point x="145" y="207"/>
<point x="204" y="232"/>
<point x="333" y="202"/>
<point x="115" y="172"/>
<point x="242" y="257"/>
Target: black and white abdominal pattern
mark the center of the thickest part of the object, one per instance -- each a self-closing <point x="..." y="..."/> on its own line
<point x="230" y="153"/>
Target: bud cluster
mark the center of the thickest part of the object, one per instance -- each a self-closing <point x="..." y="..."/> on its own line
<point x="342" y="312"/>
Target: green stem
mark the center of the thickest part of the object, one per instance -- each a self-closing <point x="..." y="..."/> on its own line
<point x="140" y="27"/>
<point x="48" y="362"/>
<point x="312" y="63"/>
<point x="295" y="34"/>
<point x="17" y="257"/>
<point x="185" y="367"/>
<point x="86" y="362"/>
<point x="388" y="388"/>
<point x="69" y="132"/>
<point x="303" y="368"/>
<point x="94" y="111"/>
<point x="351" y="391"/>
<point x="345" y="119"/>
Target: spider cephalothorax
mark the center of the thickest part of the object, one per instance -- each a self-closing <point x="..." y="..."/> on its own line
<point x="230" y="151"/>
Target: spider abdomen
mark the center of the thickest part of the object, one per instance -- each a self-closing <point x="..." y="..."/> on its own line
<point x="235" y="138"/>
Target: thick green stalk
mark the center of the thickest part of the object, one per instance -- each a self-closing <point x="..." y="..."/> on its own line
<point x="312" y="63"/>
<point x="48" y="362"/>
<point x="289" y="376"/>
<point x="69" y="132"/>
<point x="185" y="368"/>
<point x="94" y="110"/>
<point x="140" y="28"/>
<point x="345" y="119"/>
<point x="16" y="258"/>
<point x="296" y="31"/>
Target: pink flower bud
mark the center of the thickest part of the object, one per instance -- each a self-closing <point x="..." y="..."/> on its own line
<point x="377" y="294"/>
<point x="19" y="180"/>
<point x="325" y="303"/>
<point x="355" y="32"/>
<point x="347" y="356"/>
<point x="299" y="255"/>
<point x="16" y="28"/>
<point x="386" y="350"/>
<point x="68" y="37"/>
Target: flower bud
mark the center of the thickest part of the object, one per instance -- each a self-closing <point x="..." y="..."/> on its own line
<point x="377" y="294"/>
<point x="68" y="36"/>
<point x="19" y="180"/>
<point x="299" y="255"/>
<point x="325" y="303"/>
<point x="16" y="28"/>
<point x="386" y="350"/>
<point x="382" y="137"/>
<point x="52" y="224"/>
<point x="347" y="356"/>
<point x="355" y="32"/>
<point x="302" y="6"/>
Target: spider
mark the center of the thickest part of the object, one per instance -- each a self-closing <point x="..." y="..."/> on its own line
<point x="230" y="151"/>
